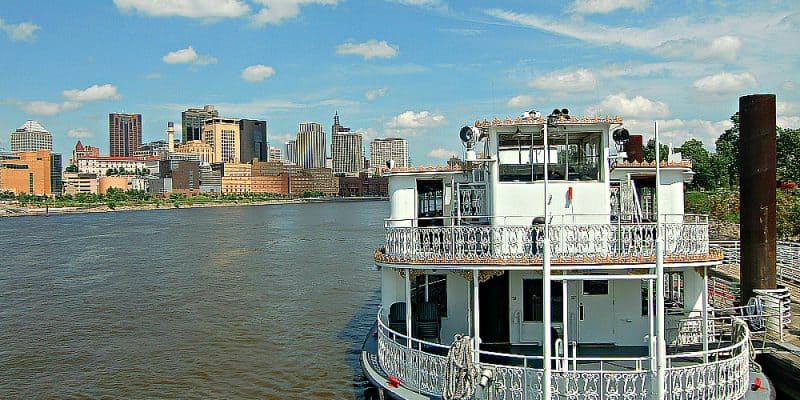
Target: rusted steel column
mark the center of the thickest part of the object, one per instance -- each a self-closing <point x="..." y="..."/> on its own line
<point x="757" y="193"/>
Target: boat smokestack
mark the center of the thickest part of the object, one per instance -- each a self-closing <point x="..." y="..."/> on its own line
<point x="757" y="193"/>
<point x="171" y="136"/>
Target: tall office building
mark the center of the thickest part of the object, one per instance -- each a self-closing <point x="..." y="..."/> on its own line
<point x="31" y="136"/>
<point x="347" y="151"/>
<point x="252" y="140"/>
<point x="125" y="134"/>
<point x="383" y="150"/>
<point x="222" y="134"/>
<point x="274" y="153"/>
<point x="192" y="122"/>
<point x="311" y="151"/>
<point x="56" y="183"/>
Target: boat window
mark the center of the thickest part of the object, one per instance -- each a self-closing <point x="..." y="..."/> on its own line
<point x="430" y="288"/>
<point x="572" y="156"/>
<point x="533" y="300"/>
<point x="591" y="288"/>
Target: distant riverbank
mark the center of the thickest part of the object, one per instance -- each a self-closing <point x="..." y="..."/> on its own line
<point x="12" y="209"/>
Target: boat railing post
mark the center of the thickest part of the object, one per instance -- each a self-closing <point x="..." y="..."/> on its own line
<point x="477" y="316"/>
<point x="705" y="315"/>
<point x="661" y="353"/>
<point x="547" y="322"/>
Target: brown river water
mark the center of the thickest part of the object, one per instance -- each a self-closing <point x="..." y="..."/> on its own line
<point x="265" y="302"/>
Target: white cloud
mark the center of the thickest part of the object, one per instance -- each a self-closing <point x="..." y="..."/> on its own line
<point x="154" y="75"/>
<point x="206" y="9"/>
<point x="581" y="80"/>
<point x="442" y="153"/>
<point x="374" y="94"/>
<point x="786" y="107"/>
<point x="723" y="48"/>
<point x="92" y="93"/>
<point x="725" y="82"/>
<point x="23" y="31"/>
<point x="275" y="11"/>
<point x="678" y="131"/>
<point x="416" y="120"/>
<point x="369" y="49"/>
<point x="788" y="85"/>
<point x="606" y="6"/>
<point x="257" y="73"/>
<point x="637" y="107"/>
<point x="79" y="133"/>
<point x="188" y="56"/>
<point x="520" y="101"/>
<point x="792" y="122"/>
<point x="47" y="108"/>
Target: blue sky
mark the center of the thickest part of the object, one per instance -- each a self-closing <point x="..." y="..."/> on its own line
<point x="418" y="69"/>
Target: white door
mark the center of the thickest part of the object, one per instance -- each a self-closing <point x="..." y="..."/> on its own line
<point x="596" y="311"/>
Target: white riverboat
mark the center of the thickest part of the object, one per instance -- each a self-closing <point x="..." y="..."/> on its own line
<point x="571" y="272"/>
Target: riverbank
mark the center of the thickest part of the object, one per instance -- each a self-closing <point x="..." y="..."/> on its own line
<point x="15" y="210"/>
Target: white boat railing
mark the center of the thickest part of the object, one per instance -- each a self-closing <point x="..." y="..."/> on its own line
<point x="787" y="256"/>
<point x="420" y="366"/>
<point x="405" y="240"/>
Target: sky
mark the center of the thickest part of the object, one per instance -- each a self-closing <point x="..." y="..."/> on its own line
<point x="418" y="69"/>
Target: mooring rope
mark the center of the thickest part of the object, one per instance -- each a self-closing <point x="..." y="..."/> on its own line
<point x="460" y="374"/>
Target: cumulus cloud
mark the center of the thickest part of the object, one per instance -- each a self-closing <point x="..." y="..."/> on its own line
<point x="23" y="31"/>
<point x="275" y="11"/>
<point x="725" y="82"/>
<point x="605" y="6"/>
<point x="257" y="73"/>
<point x="723" y="48"/>
<point x="74" y="98"/>
<point x="369" y="49"/>
<point x="416" y="120"/>
<point x="788" y="85"/>
<point x="188" y="56"/>
<point x="520" y="101"/>
<point x="205" y="9"/>
<point x="79" y="133"/>
<point x="374" y="94"/>
<point x="788" y="114"/>
<point x="581" y="80"/>
<point x="39" y="107"/>
<point x="638" y="107"/>
<point x="790" y="122"/>
<point x="442" y="153"/>
<point x="92" y="93"/>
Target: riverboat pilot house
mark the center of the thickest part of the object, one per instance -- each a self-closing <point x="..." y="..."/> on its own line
<point x="548" y="234"/>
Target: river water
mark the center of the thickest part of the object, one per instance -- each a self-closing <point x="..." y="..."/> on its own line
<point x="226" y="302"/>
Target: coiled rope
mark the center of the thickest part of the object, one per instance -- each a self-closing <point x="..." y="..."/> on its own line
<point x="460" y="374"/>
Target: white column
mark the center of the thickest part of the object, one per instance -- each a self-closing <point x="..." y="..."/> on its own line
<point x="408" y="307"/>
<point x="564" y="319"/>
<point x="661" y="344"/>
<point x="547" y="322"/>
<point x="705" y="314"/>
<point x="651" y="325"/>
<point x="476" y="313"/>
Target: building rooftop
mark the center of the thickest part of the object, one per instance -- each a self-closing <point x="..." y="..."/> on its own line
<point x="32" y="126"/>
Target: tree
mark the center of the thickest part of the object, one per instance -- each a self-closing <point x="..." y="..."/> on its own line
<point x="650" y="151"/>
<point x="728" y="153"/>
<point x="788" y="154"/>
<point x="704" y="177"/>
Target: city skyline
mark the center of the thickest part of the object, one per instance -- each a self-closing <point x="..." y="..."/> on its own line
<point x="450" y="64"/>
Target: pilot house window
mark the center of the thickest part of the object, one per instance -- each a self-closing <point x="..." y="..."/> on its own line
<point x="572" y="156"/>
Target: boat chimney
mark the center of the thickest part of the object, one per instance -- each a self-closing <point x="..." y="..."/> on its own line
<point x="633" y="147"/>
<point x="171" y="136"/>
<point x="757" y="193"/>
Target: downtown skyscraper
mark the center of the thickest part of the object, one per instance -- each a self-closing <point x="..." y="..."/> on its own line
<point x="347" y="151"/>
<point x="192" y="122"/>
<point x="124" y="133"/>
<point x="311" y="151"/>
<point x="383" y="150"/>
<point x="31" y="136"/>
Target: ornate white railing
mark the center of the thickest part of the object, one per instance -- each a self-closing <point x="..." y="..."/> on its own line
<point x="787" y="257"/>
<point x="600" y="240"/>
<point x="421" y="365"/>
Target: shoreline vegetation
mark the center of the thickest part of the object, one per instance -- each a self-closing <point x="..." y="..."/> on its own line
<point x="136" y="201"/>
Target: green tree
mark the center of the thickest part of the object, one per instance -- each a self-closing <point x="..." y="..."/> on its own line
<point x="704" y="177"/>
<point x="788" y="154"/>
<point x="650" y="151"/>
<point x="728" y="153"/>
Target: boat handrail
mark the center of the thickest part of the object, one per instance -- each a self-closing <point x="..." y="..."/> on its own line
<point x="557" y="219"/>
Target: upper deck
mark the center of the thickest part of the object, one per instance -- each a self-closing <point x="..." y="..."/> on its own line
<point x="598" y="206"/>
